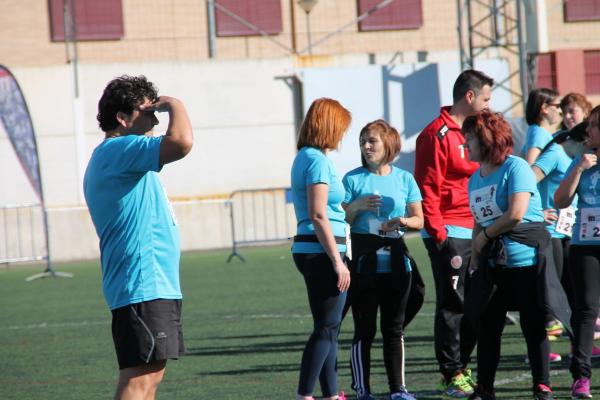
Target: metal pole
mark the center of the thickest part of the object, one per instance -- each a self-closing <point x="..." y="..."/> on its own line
<point x="293" y="27"/>
<point x="470" y="28"/>
<point x="212" y="30"/>
<point x="461" y="44"/>
<point x="308" y="34"/>
<point x="522" y="54"/>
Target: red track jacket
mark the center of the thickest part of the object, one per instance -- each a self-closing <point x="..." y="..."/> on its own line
<point x="442" y="171"/>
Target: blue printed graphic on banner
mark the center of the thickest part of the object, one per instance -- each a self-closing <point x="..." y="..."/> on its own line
<point x="14" y="116"/>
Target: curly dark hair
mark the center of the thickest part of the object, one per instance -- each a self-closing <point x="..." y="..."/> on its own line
<point x="123" y="94"/>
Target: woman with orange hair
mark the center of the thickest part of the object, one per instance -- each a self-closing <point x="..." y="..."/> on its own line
<point x="506" y="204"/>
<point x="320" y="244"/>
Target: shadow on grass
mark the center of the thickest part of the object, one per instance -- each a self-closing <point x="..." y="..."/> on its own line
<point x="259" y="369"/>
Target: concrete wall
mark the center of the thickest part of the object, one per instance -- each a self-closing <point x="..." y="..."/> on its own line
<point x="243" y="120"/>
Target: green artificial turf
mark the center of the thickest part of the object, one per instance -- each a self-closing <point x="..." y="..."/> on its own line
<point x="245" y="325"/>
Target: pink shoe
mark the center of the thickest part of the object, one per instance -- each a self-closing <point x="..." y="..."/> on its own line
<point x="554" y="357"/>
<point x="595" y="352"/>
<point x="342" y="396"/>
<point x="581" y="389"/>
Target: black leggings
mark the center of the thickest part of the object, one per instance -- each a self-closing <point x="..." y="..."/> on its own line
<point x="560" y="250"/>
<point x="389" y="292"/>
<point x="584" y="266"/>
<point x="514" y="292"/>
<point x="326" y="304"/>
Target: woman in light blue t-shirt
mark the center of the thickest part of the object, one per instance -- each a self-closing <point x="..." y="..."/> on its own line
<point x="320" y="243"/>
<point x="583" y="179"/>
<point x="542" y="114"/>
<point x="550" y="169"/>
<point x="381" y="202"/>
<point x="506" y="205"/>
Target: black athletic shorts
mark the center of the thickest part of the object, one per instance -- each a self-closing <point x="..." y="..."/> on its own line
<point x="147" y="331"/>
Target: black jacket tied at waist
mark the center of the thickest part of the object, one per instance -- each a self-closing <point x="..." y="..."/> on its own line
<point x="364" y="262"/>
<point x="550" y="293"/>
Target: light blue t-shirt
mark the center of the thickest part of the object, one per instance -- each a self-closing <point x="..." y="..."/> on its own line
<point x="489" y="197"/>
<point x="310" y="167"/>
<point x="139" y="237"/>
<point x="536" y="137"/>
<point x="586" y="230"/>
<point x="554" y="163"/>
<point x="397" y="190"/>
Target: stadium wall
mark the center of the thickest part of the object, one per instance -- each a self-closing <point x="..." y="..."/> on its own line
<point x="244" y="123"/>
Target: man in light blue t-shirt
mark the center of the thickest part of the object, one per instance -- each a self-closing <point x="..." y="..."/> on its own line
<point x="139" y="237"/>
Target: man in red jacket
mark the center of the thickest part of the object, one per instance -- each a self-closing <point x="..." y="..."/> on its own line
<point x="442" y="170"/>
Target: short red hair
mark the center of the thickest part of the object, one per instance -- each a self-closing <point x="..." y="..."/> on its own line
<point x="324" y="125"/>
<point x="493" y="133"/>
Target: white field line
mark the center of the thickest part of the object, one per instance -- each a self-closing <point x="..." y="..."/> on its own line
<point x="50" y="325"/>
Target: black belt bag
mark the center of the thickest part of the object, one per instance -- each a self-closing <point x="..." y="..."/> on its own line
<point x="314" y="239"/>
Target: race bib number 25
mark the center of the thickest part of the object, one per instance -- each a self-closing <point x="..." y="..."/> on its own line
<point x="483" y="204"/>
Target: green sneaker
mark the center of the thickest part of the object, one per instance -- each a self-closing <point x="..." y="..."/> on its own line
<point x="469" y="377"/>
<point x="457" y="388"/>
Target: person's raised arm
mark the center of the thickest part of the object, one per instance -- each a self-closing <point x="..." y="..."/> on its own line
<point x="565" y="193"/>
<point x="317" y="196"/>
<point x="365" y="203"/>
<point x="179" y="138"/>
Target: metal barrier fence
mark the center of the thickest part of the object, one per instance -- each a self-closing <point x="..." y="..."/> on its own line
<point x="22" y="236"/>
<point x="260" y="216"/>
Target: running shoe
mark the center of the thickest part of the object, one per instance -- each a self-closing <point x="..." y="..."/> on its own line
<point x="365" y="396"/>
<point x="595" y="352"/>
<point x="542" y="392"/>
<point x="581" y="389"/>
<point x="403" y="394"/>
<point x="552" y="357"/>
<point x="469" y="377"/>
<point x="554" y="328"/>
<point x="457" y="388"/>
<point x="342" y="396"/>
<point x="481" y="394"/>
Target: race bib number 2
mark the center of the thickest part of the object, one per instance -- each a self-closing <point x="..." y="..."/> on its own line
<point x="590" y="224"/>
<point x="566" y="220"/>
<point x="483" y="204"/>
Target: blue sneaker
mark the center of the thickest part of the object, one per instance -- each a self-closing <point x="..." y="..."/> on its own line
<point x="403" y="394"/>
<point x="365" y="396"/>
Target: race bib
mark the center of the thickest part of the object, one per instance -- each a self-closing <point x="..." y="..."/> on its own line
<point x="348" y="243"/>
<point x="566" y="220"/>
<point x="483" y="204"/>
<point x="590" y="224"/>
<point x="375" y="229"/>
